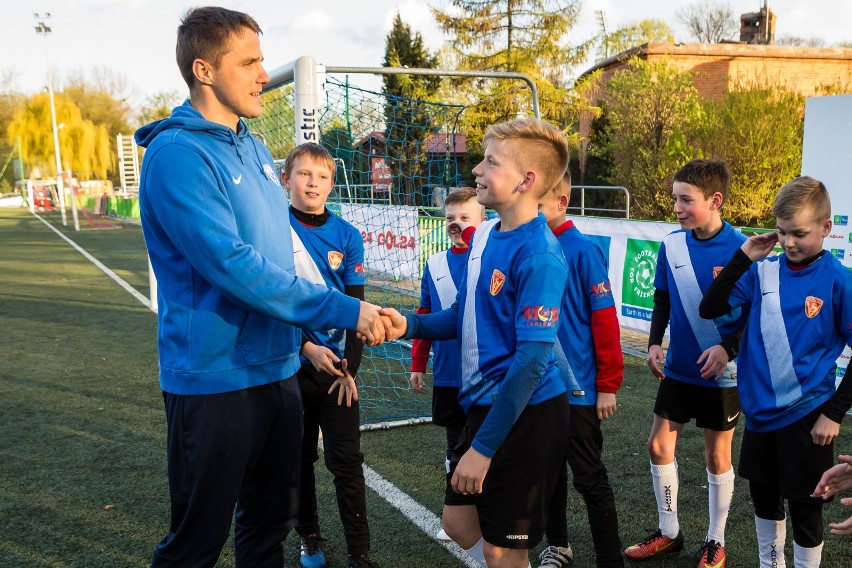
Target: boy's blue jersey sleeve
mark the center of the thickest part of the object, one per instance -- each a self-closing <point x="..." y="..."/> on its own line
<point x="354" y="260"/>
<point x="541" y="283"/>
<point x="436" y="326"/>
<point x="595" y="277"/>
<point x="528" y="366"/>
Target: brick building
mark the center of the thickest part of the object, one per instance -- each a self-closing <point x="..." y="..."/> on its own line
<point x="809" y="71"/>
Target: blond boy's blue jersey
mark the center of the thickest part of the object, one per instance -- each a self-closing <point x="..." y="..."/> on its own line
<point x="685" y="268"/>
<point x="332" y="254"/>
<point x="511" y="292"/>
<point x="799" y="321"/>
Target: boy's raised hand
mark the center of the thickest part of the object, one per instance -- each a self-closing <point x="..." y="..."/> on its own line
<point x="759" y="245"/>
<point x="655" y="360"/>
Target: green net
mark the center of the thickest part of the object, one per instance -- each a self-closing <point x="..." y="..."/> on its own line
<point x="396" y="160"/>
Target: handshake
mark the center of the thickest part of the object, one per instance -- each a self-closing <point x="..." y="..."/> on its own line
<point x="377" y="325"/>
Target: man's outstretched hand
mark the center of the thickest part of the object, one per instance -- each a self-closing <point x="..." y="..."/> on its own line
<point x="370" y="327"/>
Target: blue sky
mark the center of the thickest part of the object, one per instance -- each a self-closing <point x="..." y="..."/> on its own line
<point x="135" y="38"/>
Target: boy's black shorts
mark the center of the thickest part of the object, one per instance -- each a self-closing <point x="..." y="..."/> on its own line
<point x="519" y="486"/>
<point x="446" y="410"/>
<point x="713" y="408"/>
<point x="786" y="457"/>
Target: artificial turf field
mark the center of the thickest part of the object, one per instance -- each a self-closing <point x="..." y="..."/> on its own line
<point x="82" y="429"/>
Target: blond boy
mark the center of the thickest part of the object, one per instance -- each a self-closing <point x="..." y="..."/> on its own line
<point x="505" y="316"/>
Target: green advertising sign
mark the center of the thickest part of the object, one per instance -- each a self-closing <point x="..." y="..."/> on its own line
<point x="637" y="290"/>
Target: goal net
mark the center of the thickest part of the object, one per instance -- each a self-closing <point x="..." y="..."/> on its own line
<point x="397" y="158"/>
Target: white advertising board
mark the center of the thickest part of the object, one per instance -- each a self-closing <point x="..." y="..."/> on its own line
<point x="391" y="238"/>
<point x="825" y="156"/>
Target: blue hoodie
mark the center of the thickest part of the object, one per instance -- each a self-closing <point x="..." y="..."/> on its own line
<point x="217" y="229"/>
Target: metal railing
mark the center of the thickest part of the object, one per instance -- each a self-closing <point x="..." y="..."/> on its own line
<point x="583" y="210"/>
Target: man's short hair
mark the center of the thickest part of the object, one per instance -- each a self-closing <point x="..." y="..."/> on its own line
<point x="710" y="176"/>
<point x="540" y="146"/>
<point x="462" y="195"/>
<point x="313" y="151"/>
<point x="204" y="34"/>
<point x="803" y="194"/>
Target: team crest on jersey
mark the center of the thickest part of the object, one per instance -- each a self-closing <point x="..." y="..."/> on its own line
<point x="717" y="270"/>
<point x="334" y="259"/>
<point x="270" y="173"/>
<point x="812" y="306"/>
<point x="497" y="281"/>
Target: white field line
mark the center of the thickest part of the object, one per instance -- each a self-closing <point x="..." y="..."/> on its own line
<point x="422" y="517"/>
<point x="118" y="279"/>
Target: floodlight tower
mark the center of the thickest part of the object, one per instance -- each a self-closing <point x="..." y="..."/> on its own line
<point x="601" y="17"/>
<point x="42" y="28"/>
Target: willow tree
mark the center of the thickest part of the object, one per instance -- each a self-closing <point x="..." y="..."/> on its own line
<point x="522" y="36"/>
<point x="84" y="145"/>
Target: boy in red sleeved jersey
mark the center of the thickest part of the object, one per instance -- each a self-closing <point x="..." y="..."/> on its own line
<point x="592" y="383"/>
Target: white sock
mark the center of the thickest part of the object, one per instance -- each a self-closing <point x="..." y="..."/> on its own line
<point x="665" y="490"/>
<point x="477" y="554"/>
<point x="721" y="489"/>
<point x="771" y="536"/>
<point x="807" y="557"/>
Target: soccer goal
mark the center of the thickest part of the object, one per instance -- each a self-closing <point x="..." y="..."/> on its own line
<point x="397" y="158"/>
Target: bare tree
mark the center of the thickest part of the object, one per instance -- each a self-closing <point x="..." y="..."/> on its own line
<point x="800" y="41"/>
<point x="708" y="21"/>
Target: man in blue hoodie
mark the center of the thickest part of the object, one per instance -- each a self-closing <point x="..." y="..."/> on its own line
<point x="217" y="230"/>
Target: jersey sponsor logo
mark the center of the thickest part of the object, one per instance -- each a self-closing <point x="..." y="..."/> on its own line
<point x="601" y="289"/>
<point x="717" y="270"/>
<point x="334" y="259"/>
<point x="497" y="281"/>
<point x="812" y="306"/>
<point x="540" y="316"/>
<point x="359" y="268"/>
